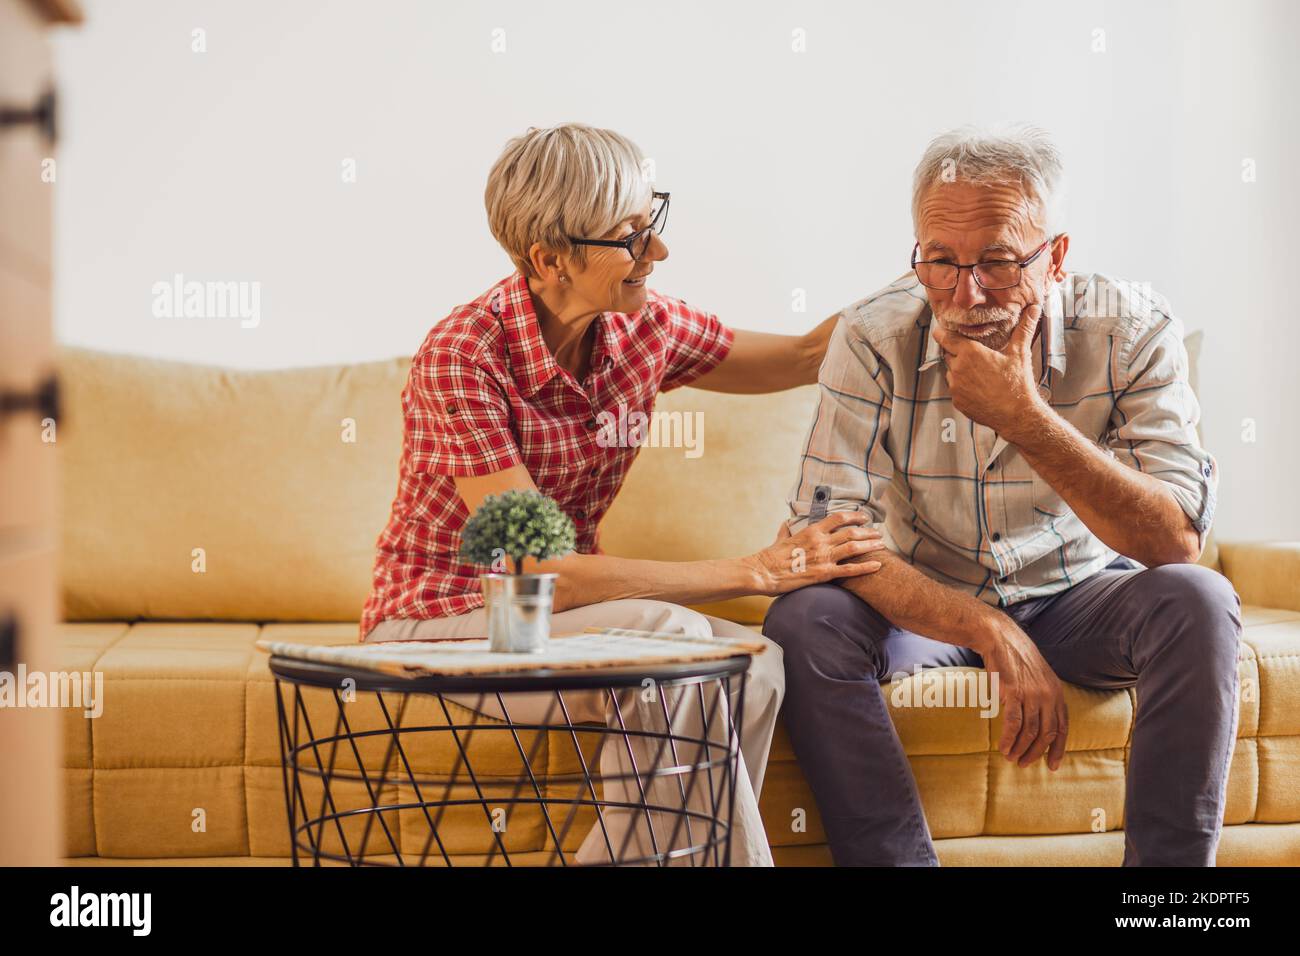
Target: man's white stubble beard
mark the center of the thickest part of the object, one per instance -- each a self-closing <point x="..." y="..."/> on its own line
<point x="954" y="320"/>
<point x="1008" y="317"/>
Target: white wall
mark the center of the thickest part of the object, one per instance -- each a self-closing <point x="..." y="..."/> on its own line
<point x="788" y="170"/>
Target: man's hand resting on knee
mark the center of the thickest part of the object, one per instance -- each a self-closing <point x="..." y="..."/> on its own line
<point x="1035" y="719"/>
<point x="1034" y="716"/>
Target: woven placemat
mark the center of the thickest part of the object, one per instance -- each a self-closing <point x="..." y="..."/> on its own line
<point x="586" y="650"/>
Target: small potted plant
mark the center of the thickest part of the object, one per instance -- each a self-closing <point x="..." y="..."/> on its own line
<point x="518" y="525"/>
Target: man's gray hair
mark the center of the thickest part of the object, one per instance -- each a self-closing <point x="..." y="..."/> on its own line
<point x="1018" y="154"/>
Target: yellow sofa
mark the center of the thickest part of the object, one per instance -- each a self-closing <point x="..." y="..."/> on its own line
<point x="204" y="508"/>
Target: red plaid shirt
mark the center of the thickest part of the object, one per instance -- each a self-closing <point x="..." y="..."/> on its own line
<point x="485" y="394"/>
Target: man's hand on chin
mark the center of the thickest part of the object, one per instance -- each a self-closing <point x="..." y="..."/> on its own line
<point x="995" y="387"/>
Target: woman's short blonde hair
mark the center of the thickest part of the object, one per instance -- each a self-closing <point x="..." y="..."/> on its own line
<point x="569" y="180"/>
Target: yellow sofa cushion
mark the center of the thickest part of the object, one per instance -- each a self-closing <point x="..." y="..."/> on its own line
<point x="161" y="459"/>
<point x="1266" y="573"/>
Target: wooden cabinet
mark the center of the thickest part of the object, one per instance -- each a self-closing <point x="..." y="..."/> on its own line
<point x="30" y="758"/>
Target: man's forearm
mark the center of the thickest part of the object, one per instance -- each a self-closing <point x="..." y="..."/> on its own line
<point x="910" y="600"/>
<point x="1131" y="512"/>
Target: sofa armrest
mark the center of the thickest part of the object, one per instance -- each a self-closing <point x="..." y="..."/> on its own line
<point x="1266" y="573"/>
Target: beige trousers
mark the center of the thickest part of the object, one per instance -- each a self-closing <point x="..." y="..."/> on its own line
<point x="763" y="691"/>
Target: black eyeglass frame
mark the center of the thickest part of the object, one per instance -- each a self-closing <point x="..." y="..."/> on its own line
<point x="1047" y="244"/>
<point x="657" y="225"/>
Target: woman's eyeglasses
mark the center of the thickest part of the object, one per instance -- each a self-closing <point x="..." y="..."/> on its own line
<point x="637" y="243"/>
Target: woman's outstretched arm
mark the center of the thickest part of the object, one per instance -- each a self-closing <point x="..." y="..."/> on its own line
<point x="766" y="362"/>
<point x="825" y="551"/>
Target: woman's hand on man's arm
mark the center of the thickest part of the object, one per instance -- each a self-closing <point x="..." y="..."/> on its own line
<point x="826" y="551"/>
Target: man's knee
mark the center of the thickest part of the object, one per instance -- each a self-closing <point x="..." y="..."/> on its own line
<point x="1196" y="589"/>
<point x="1204" y="608"/>
<point x="794" y="614"/>
<point x="811" y="625"/>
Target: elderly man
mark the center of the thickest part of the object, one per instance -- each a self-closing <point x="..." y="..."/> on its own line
<point x="1025" y="434"/>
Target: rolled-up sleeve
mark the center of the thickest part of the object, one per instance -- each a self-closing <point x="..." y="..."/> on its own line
<point x="698" y="342"/>
<point x="1153" y="426"/>
<point x="846" y="465"/>
<point x="458" y="420"/>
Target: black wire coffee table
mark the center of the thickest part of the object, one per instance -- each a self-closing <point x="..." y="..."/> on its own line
<point x="431" y="771"/>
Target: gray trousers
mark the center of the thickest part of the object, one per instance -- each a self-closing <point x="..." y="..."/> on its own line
<point x="1172" y="631"/>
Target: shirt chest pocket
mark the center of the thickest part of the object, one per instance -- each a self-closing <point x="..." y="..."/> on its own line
<point x="1047" y="501"/>
<point x="1032" y="502"/>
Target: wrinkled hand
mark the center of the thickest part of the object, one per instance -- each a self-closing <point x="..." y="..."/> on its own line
<point x="1034" y="716"/>
<point x="992" y="387"/>
<point x="825" y="551"/>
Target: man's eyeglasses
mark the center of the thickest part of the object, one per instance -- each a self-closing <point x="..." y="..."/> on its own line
<point x="990" y="275"/>
<point x="637" y="243"/>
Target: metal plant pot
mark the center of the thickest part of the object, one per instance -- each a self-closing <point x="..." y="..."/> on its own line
<point x="518" y="611"/>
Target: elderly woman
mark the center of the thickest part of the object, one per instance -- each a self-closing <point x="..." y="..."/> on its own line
<point x="505" y="393"/>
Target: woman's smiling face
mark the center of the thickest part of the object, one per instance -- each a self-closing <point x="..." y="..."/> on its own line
<point x="552" y="193"/>
<point x="611" y="280"/>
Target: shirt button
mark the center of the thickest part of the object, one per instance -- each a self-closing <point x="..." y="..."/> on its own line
<point x="451" y="408"/>
<point x="581" y="514"/>
<point x="595" y="470"/>
<point x="997" y="535"/>
<point x="591" y="423"/>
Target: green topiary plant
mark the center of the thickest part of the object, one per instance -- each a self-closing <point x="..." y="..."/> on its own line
<point x="519" y="524"/>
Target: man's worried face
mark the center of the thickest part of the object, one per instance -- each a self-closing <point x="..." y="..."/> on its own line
<point x="963" y="223"/>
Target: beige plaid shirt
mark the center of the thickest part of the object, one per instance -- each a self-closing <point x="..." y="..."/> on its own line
<point x="957" y="501"/>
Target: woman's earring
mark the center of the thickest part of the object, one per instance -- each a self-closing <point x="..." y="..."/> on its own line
<point x="563" y="277"/>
